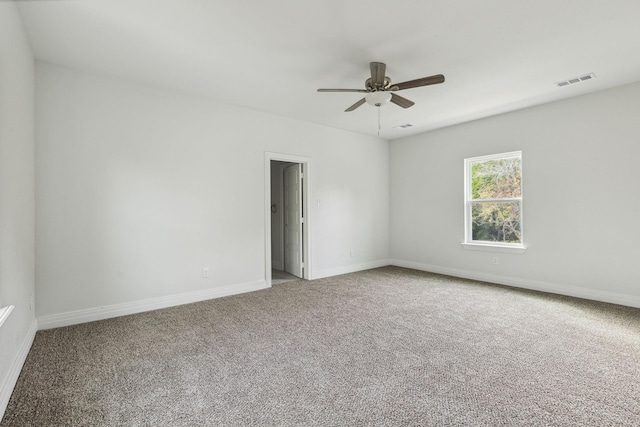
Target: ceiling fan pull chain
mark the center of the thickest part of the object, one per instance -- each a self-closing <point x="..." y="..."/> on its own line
<point x="378" y="121"/>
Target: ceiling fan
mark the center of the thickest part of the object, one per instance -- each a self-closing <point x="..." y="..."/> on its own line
<point x="379" y="89"/>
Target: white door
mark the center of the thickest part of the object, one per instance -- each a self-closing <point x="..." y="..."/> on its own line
<point x="293" y="219"/>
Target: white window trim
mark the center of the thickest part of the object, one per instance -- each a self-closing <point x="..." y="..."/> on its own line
<point x="490" y="247"/>
<point x="476" y="245"/>
<point x="4" y="313"/>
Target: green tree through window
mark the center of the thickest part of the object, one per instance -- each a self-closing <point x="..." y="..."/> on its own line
<point x="494" y="199"/>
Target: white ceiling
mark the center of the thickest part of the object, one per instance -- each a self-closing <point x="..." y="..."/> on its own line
<point x="496" y="55"/>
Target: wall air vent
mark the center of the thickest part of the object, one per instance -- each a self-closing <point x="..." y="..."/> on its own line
<point x="575" y="80"/>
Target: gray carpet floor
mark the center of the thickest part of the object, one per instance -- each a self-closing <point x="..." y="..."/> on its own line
<point x="387" y="347"/>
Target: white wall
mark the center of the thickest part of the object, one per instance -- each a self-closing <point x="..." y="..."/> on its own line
<point x="139" y="188"/>
<point x="16" y="197"/>
<point x="581" y="197"/>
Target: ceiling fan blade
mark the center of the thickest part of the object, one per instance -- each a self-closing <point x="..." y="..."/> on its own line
<point x="356" y="105"/>
<point x="425" y="81"/>
<point x="343" y="90"/>
<point x="377" y="73"/>
<point x="403" y="102"/>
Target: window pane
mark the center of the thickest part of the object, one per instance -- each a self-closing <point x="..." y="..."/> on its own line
<point x="496" y="179"/>
<point x="496" y="221"/>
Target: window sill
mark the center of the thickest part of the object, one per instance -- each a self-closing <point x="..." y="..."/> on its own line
<point x="4" y="313"/>
<point x="488" y="247"/>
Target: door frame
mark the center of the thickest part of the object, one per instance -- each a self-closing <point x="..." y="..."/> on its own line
<point x="306" y="212"/>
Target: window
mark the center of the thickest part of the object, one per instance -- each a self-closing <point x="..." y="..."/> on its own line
<point x="4" y="313"/>
<point x="493" y="201"/>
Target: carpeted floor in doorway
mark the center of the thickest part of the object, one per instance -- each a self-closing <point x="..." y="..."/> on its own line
<point x="388" y="347"/>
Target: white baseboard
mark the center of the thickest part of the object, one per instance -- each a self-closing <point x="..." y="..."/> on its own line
<point x="352" y="268"/>
<point x="554" y="288"/>
<point x="9" y="382"/>
<point x="109" y="311"/>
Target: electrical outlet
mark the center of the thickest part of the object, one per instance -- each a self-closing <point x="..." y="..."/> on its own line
<point x="205" y="272"/>
<point x="496" y="260"/>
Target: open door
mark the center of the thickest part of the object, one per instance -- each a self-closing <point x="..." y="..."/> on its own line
<point x="293" y="220"/>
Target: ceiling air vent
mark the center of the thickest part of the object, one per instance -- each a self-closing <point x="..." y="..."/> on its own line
<point x="404" y="126"/>
<point x="575" y="80"/>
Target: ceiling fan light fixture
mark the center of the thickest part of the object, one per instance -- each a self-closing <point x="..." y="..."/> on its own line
<point x="378" y="98"/>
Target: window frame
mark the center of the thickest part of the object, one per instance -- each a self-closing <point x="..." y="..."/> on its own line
<point x="484" y="245"/>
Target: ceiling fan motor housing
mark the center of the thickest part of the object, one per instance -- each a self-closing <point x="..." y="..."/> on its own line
<point x="373" y="87"/>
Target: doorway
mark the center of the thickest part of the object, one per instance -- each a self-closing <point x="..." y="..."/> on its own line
<point x="287" y="238"/>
